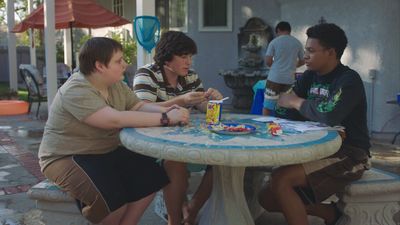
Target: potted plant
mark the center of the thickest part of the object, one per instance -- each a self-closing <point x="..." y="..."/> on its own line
<point x="9" y="103"/>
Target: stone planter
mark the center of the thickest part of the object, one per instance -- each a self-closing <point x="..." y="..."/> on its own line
<point x="241" y="82"/>
<point x="253" y="40"/>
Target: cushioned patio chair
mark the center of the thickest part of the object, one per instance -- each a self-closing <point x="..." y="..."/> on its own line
<point x="34" y="84"/>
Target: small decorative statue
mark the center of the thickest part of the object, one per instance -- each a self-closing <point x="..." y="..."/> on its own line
<point x="252" y="58"/>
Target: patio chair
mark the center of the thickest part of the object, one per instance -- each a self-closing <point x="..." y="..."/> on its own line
<point x="63" y="73"/>
<point x="34" y="85"/>
<point x="258" y="99"/>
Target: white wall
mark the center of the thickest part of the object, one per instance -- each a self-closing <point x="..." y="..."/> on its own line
<point x="372" y="29"/>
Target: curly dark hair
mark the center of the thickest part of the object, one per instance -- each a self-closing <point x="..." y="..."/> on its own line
<point x="330" y="36"/>
<point x="173" y="43"/>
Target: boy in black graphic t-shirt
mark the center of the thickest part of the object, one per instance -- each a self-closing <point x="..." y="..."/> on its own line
<point x="331" y="93"/>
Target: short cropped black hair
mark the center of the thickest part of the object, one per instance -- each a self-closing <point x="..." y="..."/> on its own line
<point x="283" y="26"/>
<point x="330" y="36"/>
<point x="173" y="43"/>
<point x="99" y="49"/>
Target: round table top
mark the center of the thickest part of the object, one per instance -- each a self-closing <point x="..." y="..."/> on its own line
<point x="195" y="143"/>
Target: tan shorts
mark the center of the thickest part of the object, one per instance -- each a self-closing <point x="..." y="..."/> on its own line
<point x="330" y="175"/>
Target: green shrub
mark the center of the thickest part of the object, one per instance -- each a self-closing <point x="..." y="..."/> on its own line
<point x="128" y="44"/>
<point x="23" y="95"/>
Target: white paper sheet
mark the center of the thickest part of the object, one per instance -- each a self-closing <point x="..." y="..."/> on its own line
<point x="300" y="126"/>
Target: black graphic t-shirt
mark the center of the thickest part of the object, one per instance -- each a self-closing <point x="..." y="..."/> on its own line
<point x="336" y="98"/>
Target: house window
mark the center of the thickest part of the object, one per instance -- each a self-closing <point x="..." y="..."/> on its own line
<point x="215" y="15"/>
<point x="178" y="15"/>
<point x="118" y="7"/>
<point x="172" y="14"/>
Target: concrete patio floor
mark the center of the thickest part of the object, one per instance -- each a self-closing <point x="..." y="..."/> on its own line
<point x="20" y="137"/>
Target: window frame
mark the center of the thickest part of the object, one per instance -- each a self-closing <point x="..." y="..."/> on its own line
<point x="226" y="28"/>
<point x="120" y="6"/>
<point x="185" y="27"/>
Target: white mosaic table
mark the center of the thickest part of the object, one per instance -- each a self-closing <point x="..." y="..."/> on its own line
<point x="229" y="154"/>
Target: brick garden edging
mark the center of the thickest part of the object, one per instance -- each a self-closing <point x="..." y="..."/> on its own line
<point x="26" y="159"/>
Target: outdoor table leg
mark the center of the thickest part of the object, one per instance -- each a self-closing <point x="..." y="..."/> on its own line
<point x="227" y="204"/>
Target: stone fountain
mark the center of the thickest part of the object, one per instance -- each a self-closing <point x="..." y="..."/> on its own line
<point x="253" y="40"/>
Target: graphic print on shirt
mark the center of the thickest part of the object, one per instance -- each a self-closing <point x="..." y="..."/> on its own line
<point x="329" y="106"/>
<point x="321" y="93"/>
<point x="280" y="110"/>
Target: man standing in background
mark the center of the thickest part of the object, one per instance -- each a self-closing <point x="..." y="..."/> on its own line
<point x="284" y="54"/>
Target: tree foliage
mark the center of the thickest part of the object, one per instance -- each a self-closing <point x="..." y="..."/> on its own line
<point x="128" y="44"/>
<point x="2" y="11"/>
<point x="20" y="9"/>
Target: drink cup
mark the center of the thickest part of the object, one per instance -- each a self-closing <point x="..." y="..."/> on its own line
<point x="214" y="109"/>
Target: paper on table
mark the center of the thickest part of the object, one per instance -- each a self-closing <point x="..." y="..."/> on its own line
<point x="266" y="119"/>
<point x="300" y="126"/>
<point x="304" y="126"/>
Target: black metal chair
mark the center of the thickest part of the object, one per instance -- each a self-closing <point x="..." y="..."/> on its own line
<point x="35" y="87"/>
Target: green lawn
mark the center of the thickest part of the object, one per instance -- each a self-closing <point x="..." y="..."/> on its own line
<point x="5" y="90"/>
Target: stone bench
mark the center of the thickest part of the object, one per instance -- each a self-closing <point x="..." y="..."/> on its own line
<point x="372" y="200"/>
<point x="55" y="205"/>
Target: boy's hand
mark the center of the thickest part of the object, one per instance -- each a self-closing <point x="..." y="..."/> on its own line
<point x="213" y="94"/>
<point x="174" y="106"/>
<point x="290" y="100"/>
<point x="193" y="98"/>
<point x="178" y="116"/>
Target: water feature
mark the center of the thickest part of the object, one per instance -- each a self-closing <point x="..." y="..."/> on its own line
<point x="253" y="40"/>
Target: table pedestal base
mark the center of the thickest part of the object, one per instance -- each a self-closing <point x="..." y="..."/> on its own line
<point x="227" y="204"/>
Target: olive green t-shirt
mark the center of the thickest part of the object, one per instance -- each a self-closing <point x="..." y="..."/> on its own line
<point x="65" y="132"/>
